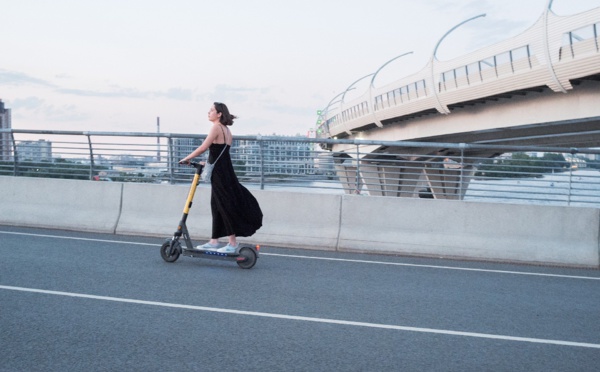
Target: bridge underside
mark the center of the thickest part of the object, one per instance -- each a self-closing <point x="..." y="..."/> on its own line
<point x="532" y="117"/>
<point x="405" y="177"/>
<point x="558" y="119"/>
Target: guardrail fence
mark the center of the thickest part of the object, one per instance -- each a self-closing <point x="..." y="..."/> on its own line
<point x="540" y="175"/>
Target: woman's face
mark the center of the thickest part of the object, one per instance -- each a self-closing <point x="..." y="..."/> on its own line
<point x="213" y="115"/>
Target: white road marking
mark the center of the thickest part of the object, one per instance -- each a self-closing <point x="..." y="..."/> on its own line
<point x="436" y="266"/>
<point x="328" y="258"/>
<point x="307" y="319"/>
<point x="74" y="238"/>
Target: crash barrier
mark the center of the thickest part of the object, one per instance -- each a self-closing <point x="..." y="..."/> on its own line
<point x="60" y="204"/>
<point x="351" y="223"/>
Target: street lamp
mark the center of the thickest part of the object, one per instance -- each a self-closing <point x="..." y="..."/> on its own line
<point x="324" y="111"/>
<point x="351" y="85"/>
<point x="322" y="114"/>
<point x="372" y="85"/>
<point x="443" y="109"/>
<point x="385" y="64"/>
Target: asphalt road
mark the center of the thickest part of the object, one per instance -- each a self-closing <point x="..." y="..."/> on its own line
<point x="72" y="301"/>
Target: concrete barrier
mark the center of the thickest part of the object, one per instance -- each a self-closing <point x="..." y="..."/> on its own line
<point x="61" y="204"/>
<point x="440" y="228"/>
<point x="155" y="210"/>
<point x="299" y="220"/>
<point x="508" y="232"/>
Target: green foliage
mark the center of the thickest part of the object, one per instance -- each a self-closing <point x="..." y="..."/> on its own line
<point x="522" y="165"/>
<point x="593" y="164"/>
<point x="240" y="168"/>
<point x="59" y="168"/>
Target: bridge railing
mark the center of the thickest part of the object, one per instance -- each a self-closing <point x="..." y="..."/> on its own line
<point x="542" y="175"/>
<point x="553" y="52"/>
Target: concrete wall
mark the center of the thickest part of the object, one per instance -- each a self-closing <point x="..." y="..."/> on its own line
<point x="62" y="204"/>
<point x="441" y="228"/>
<point x="526" y="233"/>
<point x="290" y="219"/>
<point x="151" y="209"/>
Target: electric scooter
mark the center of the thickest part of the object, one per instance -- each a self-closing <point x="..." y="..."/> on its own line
<point x="245" y="255"/>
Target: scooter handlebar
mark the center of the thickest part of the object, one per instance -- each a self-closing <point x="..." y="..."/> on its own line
<point x="196" y="165"/>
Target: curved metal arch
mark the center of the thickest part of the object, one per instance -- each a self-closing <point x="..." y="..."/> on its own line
<point x="385" y="64"/>
<point x="442" y="108"/>
<point x="555" y="79"/>
<point x="351" y="85"/>
<point x="450" y="30"/>
<point x="372" y="85"/>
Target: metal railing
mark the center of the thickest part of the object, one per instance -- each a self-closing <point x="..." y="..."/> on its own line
<point x="540" y="175"/>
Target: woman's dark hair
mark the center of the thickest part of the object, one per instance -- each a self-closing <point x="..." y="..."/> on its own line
<point x="226" y="117"/>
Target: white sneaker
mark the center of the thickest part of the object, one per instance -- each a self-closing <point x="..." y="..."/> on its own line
<point x="208" y="247"/>
<point x="227" y="249"/>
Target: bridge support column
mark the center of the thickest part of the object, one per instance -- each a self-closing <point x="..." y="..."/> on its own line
<point x="447" y="179"/>
<point x="373" y="178"/>
<point x="380" y="180"/>
<point x="349" y="178"/>
<point x="390" y="179"/>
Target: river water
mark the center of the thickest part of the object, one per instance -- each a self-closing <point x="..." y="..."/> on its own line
<point x="580" y="188"/>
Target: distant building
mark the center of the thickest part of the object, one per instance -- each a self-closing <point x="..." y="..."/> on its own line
<point x="182" y="147"/>
<point x="536" y="154"/>
<point x="5" y="142"/>
<point x="40" y="150"/>
<point x="576" y="161"/>
<point x="278" y="157"/>
<point x="324" y="163"/>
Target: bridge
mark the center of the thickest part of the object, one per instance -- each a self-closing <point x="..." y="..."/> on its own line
<point x="540" y="87"/>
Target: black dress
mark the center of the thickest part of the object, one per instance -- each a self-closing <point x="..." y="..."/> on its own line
<point x="235" y="211"/>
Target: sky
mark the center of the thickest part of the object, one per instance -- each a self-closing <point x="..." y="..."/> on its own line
<point x="118" y="65"/>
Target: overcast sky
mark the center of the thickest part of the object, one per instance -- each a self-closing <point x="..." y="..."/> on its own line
<point x="117" y="65"/>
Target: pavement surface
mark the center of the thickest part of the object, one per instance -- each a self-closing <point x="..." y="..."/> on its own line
<point x="73" y="301"/>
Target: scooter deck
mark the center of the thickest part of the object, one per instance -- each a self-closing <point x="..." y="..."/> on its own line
<point x="204" y="253"/>
<point x="236" y="256"/>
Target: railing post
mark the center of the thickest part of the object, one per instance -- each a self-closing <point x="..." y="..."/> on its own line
<point x="357" y="185"/>
<point x="15" y="155"/>
<point x="262" y="162"/>
<point x="170" y="162"/>
<point x="89" y="137"/>
<point x="570" y="185"/>
<point x="573" y="152"/>
<point x="462" y="171"/>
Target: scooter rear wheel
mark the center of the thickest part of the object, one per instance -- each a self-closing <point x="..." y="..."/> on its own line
<point x="249" y="258"/>
<point x="164" y="251"/>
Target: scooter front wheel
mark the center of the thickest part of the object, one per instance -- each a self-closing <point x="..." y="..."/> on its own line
<point x="175" y="252"/>
<point x="247" y="258"/>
